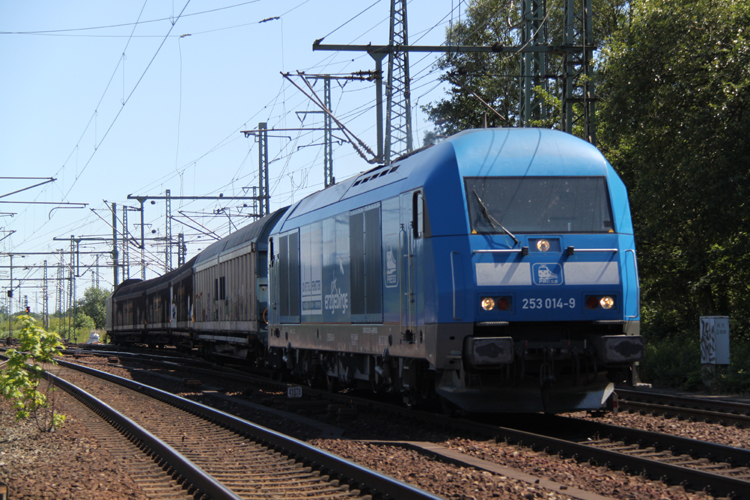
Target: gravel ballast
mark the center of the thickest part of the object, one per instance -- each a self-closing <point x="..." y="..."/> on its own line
<point x="71" y="464"/>
<point x="66" y="464"/>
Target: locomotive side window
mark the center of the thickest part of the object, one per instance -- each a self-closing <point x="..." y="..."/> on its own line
<point x="539" y="204"/>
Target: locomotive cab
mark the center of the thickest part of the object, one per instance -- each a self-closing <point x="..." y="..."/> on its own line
<point x="554" y="295"/>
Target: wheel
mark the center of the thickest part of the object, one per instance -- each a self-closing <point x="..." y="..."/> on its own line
<point x="410" y="400"/>
<point x="312" y="376"/>
<point x="332" y="383"/>
<point x="449" y="409"/>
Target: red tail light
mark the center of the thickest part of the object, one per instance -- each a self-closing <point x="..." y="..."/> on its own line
<point x="592" y="302"/>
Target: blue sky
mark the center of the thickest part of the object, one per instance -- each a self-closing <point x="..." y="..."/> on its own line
<point x="168" y="113"/>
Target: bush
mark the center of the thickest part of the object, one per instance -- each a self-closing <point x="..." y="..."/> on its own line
<point x="672" y="362"/>
<point x="675" y="362"/>
<point x="21" y="379"/>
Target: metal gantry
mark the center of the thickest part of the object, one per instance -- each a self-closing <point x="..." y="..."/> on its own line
<point x="60" y="303"/>
<point x="168" y="235"/>
<point x="263" y="169"/>
<point x="114" y="244"/>
<point x="72" y="285"/>
<point x="533" y="64"/>
<point x="45" y="300"/>
<point x="577" y="51"/>
<point x="169" y="198"/>
<point x="577" y="86"/>
<point x="327" y="135"/>
<point x="181" y="249"/>
<point x="125" y="244"/>
<point x="398" y="135"/>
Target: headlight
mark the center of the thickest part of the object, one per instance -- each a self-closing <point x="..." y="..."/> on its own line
<point x="607" y="302"/>
<point x="488" y="303"/>
<point x="542" y="245"/>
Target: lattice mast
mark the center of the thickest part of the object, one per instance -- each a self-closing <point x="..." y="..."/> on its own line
<point x="534" y="62"/>
<point x="168" y="232"/>
<point x="578" y="88"/>
<point x="398" y="132"/>
<point x="265" y="198"/>
<point x="327" y="135"/>
<point x="125" y="245"/>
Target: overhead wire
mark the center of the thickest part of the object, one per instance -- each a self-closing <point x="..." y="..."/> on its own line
<point x="235" y="178"/>
<point x="172" y="20"/>
<point x="78" y="174"/>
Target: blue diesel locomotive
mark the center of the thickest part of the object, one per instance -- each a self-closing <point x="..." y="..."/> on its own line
<point x="496" y="270"/>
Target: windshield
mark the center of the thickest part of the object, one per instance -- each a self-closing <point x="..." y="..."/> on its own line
<point x="539" y="204"/>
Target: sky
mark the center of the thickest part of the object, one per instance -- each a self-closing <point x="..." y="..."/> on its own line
<point x="136" y="97"/>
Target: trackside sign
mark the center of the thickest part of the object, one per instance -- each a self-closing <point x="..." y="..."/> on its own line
<point x="715" y="340"/>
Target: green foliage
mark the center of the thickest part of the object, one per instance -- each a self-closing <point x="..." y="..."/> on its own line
<point x="16" y="324"/>
<point x="490" y="76"/>
<point x="93" y="305"/>
<point x="77" y="329"/>
<point x="83" y="322"/>
<point x="494" y="77"/>
<point x="20" y="381"/>
<point x="672" y="362"/>
<point x="676" y="362"/>
<point x="674" y="120"/>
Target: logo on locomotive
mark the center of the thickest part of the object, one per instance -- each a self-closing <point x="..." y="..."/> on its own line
<point x="336" y="300"/>
<point x="391" y="277"/>
<point x="547" y="274"/>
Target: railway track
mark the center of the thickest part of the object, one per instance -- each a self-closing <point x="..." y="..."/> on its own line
<point x="711" y="410"/>
<point x="716" y="469"/>
<point x="226" y="457"/>
<point x="692" y="408"/>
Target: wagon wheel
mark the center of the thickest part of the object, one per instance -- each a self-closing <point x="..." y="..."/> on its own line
<point x="332" y="383"/>
<point x="312" y="376"/>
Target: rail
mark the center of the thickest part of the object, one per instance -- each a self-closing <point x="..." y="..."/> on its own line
<point x="372" y="480"/>
<point x="718" y="411"/>
<point x="187" y="469"/>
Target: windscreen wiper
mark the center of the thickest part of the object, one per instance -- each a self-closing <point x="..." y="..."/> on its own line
<point x="495" y="224"/>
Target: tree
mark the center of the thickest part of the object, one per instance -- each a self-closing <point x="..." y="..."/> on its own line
<point x="93" y="305"/>
<point x="84" y="322"/>
<point x="22" y="377"/>
<point x="495" y="77"/>
<point x="675" y="121"/>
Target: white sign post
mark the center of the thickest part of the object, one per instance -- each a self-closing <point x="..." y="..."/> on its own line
<point x="715" y="340"/>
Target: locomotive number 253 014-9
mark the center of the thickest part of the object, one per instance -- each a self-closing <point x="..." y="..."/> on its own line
<point x="548" y="303"/>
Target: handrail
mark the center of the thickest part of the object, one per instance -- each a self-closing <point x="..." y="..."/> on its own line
<point x="579" y="250"/>
<point x="453" y="281"/>
<point x="509" y="250"/>
<point x="525" y="249"/>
